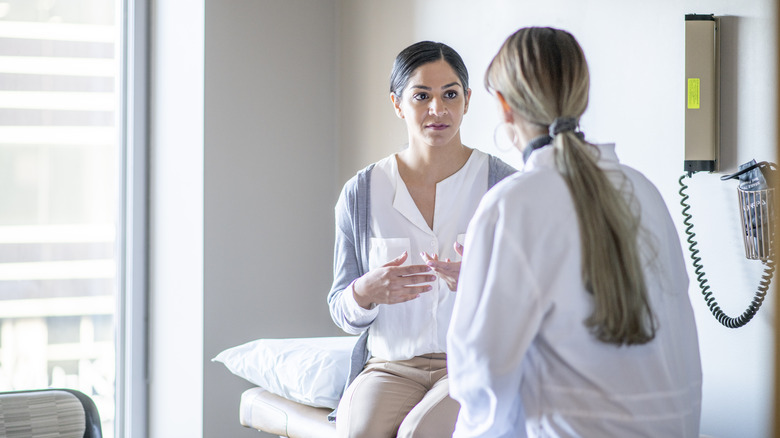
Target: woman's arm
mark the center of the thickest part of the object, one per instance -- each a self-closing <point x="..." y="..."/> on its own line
<point x="347" y="315"/>
<point x="354" y="295"/>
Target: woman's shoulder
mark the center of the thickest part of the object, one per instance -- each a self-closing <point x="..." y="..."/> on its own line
<point x="500" y="165"/>
<point x="497" y="169"/>
<point x="361" y="177"/>
<point x="355" y="190"/>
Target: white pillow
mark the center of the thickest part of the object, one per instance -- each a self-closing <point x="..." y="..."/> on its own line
<point x="312" y="371"/>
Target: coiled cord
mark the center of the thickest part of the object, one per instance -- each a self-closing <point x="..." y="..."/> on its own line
<point x="709" y="298"/>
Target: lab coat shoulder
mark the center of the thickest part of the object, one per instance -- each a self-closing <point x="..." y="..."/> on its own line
<point x="649" y="195"/>
<point x="527" y="202"/>
<point x="519" y="219"/>
<point x="523" y="233"/>
<point x="515" y="187"/>
<point x="656" y="221"/>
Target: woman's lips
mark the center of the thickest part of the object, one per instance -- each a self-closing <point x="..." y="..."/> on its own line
<point x="437" y="126"/>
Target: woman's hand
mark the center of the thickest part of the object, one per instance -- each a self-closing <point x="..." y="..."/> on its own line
<point x="448" y="271"/>
<point x="392" y="283"/>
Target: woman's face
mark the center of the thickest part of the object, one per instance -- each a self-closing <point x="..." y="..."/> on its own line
<point x="433" y="104"/>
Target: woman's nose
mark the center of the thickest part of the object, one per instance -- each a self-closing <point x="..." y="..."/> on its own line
<point x="437" y="107"/>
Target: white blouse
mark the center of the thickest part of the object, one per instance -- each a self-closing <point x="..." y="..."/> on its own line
<point x="402" y="331"/>
<point x="521" y="361"/>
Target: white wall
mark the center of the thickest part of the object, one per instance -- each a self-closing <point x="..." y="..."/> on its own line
<point x="270" y="185"/>
<point x="243" y="159"/>
<point x="371" y="33"/>
<point x="636" y="54"/>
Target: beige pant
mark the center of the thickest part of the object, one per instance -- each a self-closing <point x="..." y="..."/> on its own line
<point x="408" y="399"/>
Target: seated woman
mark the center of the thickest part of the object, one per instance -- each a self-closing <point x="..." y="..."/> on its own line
<point x="572" y="317"/>
<point x="393" y="219"/>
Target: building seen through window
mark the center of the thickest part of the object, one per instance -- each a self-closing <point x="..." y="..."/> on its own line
<point x="59" y="197"/>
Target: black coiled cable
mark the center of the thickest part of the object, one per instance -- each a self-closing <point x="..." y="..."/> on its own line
<point x="763" y="286"/>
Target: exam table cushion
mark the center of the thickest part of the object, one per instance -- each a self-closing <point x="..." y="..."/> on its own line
<point x="311" y="371"/>
<point x="271" y="413"/>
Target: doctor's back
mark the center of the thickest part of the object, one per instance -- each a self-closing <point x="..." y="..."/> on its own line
<point x="523" y="361"/>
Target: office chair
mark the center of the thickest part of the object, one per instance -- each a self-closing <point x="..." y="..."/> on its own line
<point x="63" y="413"/>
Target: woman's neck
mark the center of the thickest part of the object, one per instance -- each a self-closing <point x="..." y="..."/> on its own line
<point x="432" y="164"/>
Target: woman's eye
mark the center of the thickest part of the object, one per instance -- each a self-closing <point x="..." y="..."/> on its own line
<point x="451" y="94"/>
<point x="420" y="96"/>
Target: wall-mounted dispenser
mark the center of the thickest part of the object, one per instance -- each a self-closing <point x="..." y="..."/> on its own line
<point x="755" y="193"/>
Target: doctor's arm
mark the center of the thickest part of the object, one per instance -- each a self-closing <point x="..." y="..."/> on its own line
<point x="496" y="316"/>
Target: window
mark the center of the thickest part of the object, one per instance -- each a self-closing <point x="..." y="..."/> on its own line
<point x="66" y="234"/>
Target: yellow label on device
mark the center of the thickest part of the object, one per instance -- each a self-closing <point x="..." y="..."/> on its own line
<point x="694" y="93"/>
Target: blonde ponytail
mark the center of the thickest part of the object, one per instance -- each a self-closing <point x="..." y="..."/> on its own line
<point x="611" y="265"/>
<point x="543" y="75"/>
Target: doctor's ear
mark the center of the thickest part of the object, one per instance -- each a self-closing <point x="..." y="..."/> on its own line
<point x="506" y="111"/>
<point x="397" y="105"/>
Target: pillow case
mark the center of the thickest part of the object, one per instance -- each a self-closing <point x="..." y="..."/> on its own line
<point x="312" y="371"/>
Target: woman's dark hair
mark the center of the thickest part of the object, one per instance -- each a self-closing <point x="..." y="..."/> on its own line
<point x="422" y="53"/>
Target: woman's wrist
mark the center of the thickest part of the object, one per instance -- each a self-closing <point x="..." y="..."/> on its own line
<point x="359" y="299"/>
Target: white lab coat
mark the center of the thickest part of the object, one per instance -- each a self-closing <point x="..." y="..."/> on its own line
<point x="521" y="361"/>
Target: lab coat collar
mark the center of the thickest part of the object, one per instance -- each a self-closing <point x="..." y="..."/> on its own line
<point x="537" y="143"/>
<point x="545" y="157"/>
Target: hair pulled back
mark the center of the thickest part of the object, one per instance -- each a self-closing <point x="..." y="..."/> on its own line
<point x="543" y="76"/>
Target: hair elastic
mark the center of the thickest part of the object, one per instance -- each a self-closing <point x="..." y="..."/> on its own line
<point x="562" y="124"/>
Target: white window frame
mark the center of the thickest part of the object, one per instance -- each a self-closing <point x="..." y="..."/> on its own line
<point x="132" y="225"/>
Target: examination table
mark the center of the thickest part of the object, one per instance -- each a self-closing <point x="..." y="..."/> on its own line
<point x="271" y="413"/>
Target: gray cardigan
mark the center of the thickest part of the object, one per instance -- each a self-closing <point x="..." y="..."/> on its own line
<point x="350" y="259"/>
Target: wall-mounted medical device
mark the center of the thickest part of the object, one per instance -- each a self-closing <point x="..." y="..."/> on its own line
<point x="755" y="193"/>
<point x="702" y="85"/>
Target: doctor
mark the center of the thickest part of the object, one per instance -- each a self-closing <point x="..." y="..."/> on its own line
<point x="572" y="317"/>
<point x="393" y="218"/>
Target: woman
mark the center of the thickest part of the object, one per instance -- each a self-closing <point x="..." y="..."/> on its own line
<point x="397" y="228"/>
<point x="572" y="317"/>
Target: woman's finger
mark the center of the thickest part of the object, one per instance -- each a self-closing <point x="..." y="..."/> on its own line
<point x="410" y="270"/>
<point x="458" y="248"/>
<point x="411" y="280"/>
<point x="404" y="294"/>
<point x="412" y="292"/>
<point x="440" y="265"/>
<point x="398" y="261"/>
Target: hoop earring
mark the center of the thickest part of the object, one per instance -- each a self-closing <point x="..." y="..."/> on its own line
<point x="509" y="133"/>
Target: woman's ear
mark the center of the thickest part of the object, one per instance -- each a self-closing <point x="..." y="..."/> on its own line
<point x="506" y="111"/>
<point x="397" y="105"/>
<point x="468" y="99"/>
